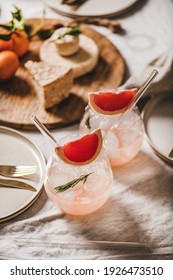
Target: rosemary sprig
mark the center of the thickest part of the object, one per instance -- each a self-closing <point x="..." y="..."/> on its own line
<point x="87" y="122"/>
<point x="71" y="184"/>
<point x="72" y="31"/>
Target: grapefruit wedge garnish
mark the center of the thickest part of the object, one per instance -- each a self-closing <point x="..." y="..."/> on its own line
<point x="81" y="151"/>
<point x="111" y="102"/>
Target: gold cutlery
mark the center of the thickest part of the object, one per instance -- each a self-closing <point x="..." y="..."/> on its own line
<point x="17" y="171"/>
<point x="5" y="183"/>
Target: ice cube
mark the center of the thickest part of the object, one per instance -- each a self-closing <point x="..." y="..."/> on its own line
<point x="100" y="180"/>
<point x="94" y="121"/>
<point x="85" y="200"/>
<point x="111" y="144"/>
<point x="129" y="128"/>
<point x="74" y="193"/>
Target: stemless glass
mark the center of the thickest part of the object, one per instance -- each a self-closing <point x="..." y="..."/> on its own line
<point x="87" y="195"/>
<point x="122" y="136"/>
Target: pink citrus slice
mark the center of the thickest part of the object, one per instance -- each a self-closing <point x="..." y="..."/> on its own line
<point x="81" y="151"/>
<point x="111" y="102"/>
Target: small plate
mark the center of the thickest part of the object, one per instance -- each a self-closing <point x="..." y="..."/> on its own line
<point x="93" y="8"/>
<point x="158" y="121"/>
<point x="16" y="149"/>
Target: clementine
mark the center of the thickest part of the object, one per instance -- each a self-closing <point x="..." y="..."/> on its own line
<point x="20" y="42"/>
<point x="9" y="64"/>
<point x="5" y="45"/>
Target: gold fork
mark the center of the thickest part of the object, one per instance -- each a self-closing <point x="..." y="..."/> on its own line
<point x="17" y="171"/>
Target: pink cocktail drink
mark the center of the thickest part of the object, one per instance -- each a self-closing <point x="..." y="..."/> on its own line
<point x="122" y="134"/>
<point x="123" y="142"/>
<point x="86" y="187"/>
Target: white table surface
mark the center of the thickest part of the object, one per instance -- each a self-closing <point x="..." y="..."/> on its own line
<point x="141" y="206"/>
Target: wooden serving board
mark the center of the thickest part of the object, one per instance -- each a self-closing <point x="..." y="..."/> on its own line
<point x="18" y="99"/>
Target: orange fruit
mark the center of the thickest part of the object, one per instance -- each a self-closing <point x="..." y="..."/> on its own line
<point x="20" y="42"/>
<point x="111" y="102"/>
<point x="81" y="151"/>
<point x="6" y="45"/>
<point x="9" y="64"/>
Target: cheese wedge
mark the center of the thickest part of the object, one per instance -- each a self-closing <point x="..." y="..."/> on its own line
<point x="52" y="83"/>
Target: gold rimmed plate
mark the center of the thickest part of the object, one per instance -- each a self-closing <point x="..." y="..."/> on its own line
<point x="16" y="149"/>
<point x="158" y="122"/>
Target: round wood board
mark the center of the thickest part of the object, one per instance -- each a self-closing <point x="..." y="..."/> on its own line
<point x="18" y="99"/>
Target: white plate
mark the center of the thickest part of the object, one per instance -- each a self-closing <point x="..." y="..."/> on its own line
<point x="93" y="8"/>
<point x="158" y="121"/>
<point x="16" y="149"/>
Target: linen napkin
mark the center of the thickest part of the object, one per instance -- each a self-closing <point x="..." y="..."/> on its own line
<point x="163" y="81"/>
<point x="140" y="208"/>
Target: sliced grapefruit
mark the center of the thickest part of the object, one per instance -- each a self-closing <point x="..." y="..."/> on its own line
<point x="81" y="151"/>
<point x="111" y="102"/>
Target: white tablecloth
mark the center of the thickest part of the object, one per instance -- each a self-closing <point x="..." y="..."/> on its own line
<point x="140" y="208"/>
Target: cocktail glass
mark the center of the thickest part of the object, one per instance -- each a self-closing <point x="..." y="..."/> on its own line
<point x="93" y="187"/>
<point x="116" y="114"/>
<point x="122" y="136"/>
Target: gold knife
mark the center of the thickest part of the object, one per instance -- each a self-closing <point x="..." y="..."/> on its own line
<point x="16" y="184"/>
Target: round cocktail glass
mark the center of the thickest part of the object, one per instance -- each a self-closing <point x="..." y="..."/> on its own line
<point x="122" y="136"/>
<point x="123" y="133"/>
<point x="87" y="195"/>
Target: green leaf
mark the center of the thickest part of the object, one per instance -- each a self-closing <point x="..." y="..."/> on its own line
<point x="7" y="26"/>
<point x="17" y="14"/>
<point x="16" y="23"/>
<point x="45" y="33"/>
<point x="39" y="30"/>
<point x="6" y="37"/>
<point x="72" y="184"/>
<point x="72" y="31"/>
<point x="18" y="20"/>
